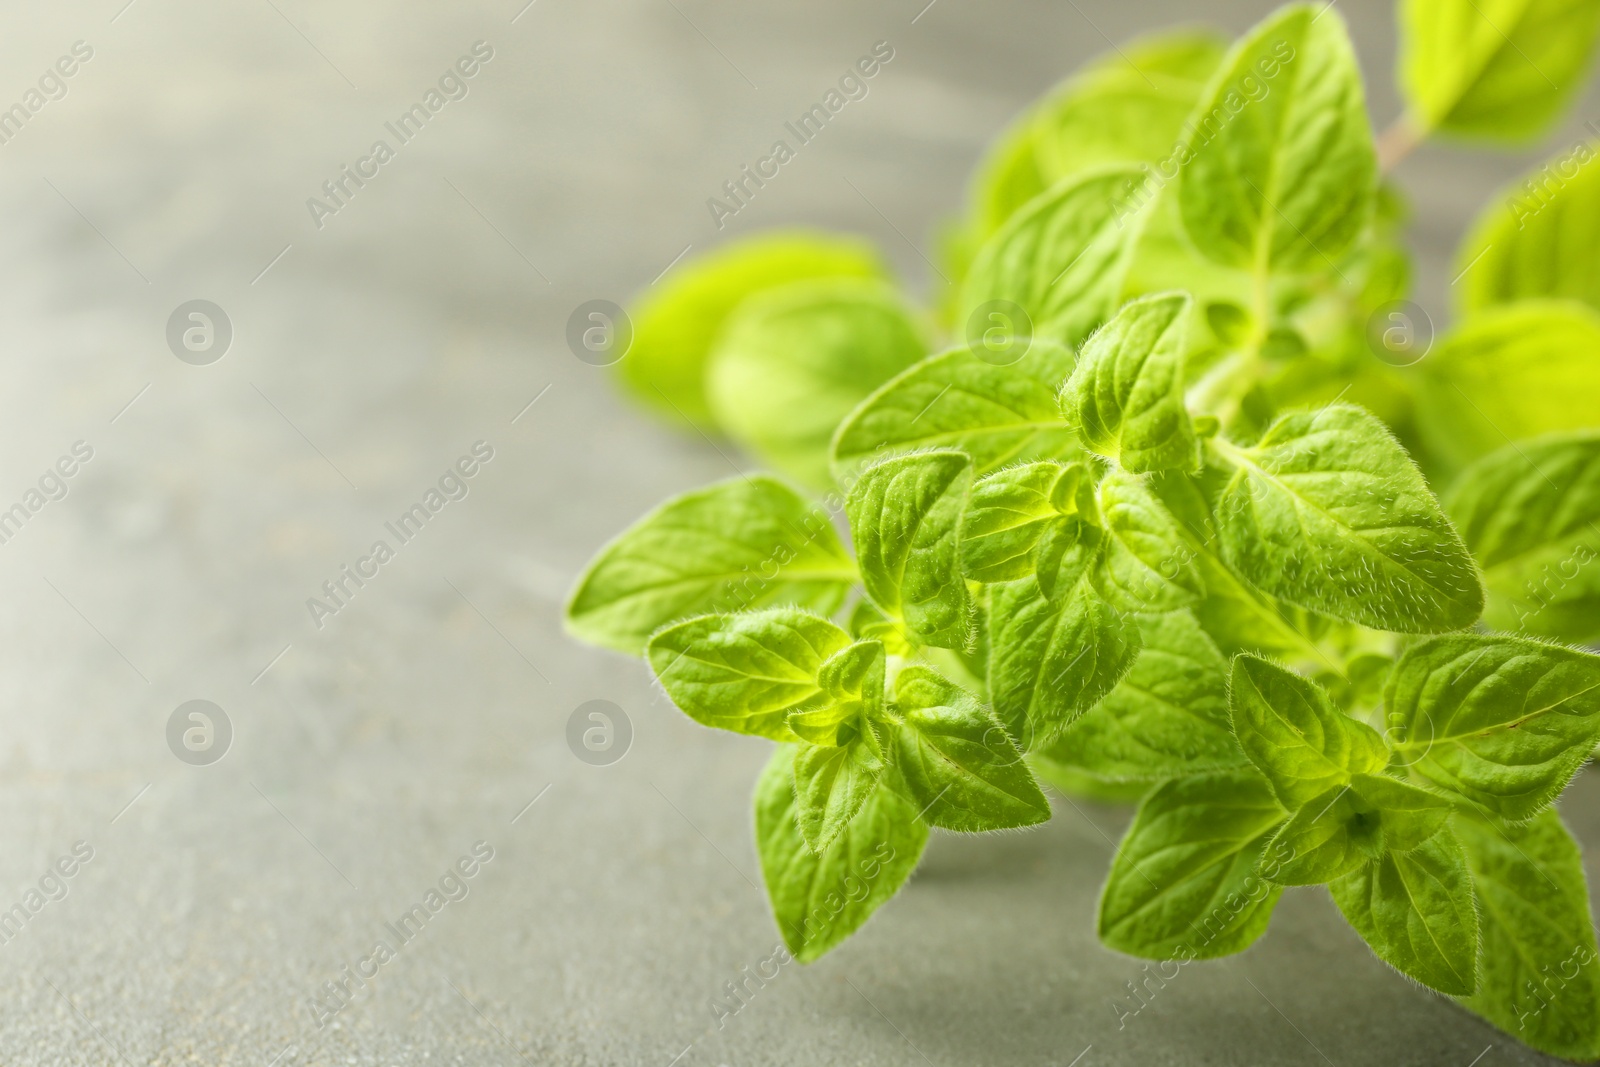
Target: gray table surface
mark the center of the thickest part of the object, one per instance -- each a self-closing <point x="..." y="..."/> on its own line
<point x="370" y="754"/>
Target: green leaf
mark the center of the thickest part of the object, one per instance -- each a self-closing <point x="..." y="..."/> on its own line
<point x="1126" y="393"/>
<point x="959" y="764"/>
<point x="869" y="623"/>
<point x="1530" y="514"/>
<point x="1074" y="782"/>
<point x="1408" y="816"/>
<point x="1061" y="258"/>
<point x="855" y="678"/>
<point x="905" y="516"/>
<point x="1128" y="105"/>
<point x="1328" y="838"/>
<point x="675" y="326"/>
<point x="1328" y="512"/>
<point x="852" y="694"/>
<point x="1229" y="323"/>
<point x="997" y="415"/>
<point x="1125" y="106"/>
<point x="1235" y="614"/>
<point x="1415" y="911"/>
<point x="1498" y="70"/>
<point x="795" y="360"/>
<point x="819" y="900"/>
<point x="1052" y="660"/>
<point x="1294" y="735"/>
<point x="1166" y="258"/>
<point x="1240" y="618"/>
<point x="1538" y="978"/>
<point x="1007" y="514"/>
<point x="1279" y="170"/>
<point x="748" y="542"/>
<point x="831" y="783"/>
<point x="1167" y="718"/>
<point x="745" y="672"/>
<point x="1148" y="566"/>
<point x="1539" y="238"/>
<point x="1006" y="179"/>
<point x="1184" y="882"/>
<point x="1500" y="721"/>
<point x="1350" y="825"/>
<point x="1066" y="553"/>
<point x="1508" y="374"/>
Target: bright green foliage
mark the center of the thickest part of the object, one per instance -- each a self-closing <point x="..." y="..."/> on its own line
<point x="1539" y="978"/>
<point x="1052" y="660"/>
<point x="1328" y="512"/>
<point x="1498" y="70"/>
<point x="1067" y="552"/>
<point x="1294" y="735"/>
<point x="1540" y="238"/>
<point x="1235" y="614"/>
<point x="1415" y="910"/>
<point x="1184" y="883"/>
<point x="793" y="361"/>
<point x="852" y="683"/>
<point x="1126" y="393"/>
<point x="821" y="899"/>
<point x="1127" y="107"/>
<point x="831" y="782"/>
<point x="905" y="514"/>
<point x="1168" y="547"/>
<point x="1147" y="567"/>
<point x="997" y="415"/>
<point x="675" y="327"/>
<point x="1500" y="722"/>
<point x="744" y="543"/>
<point x="1010" y="511"/>
<point x="1061" y="258"/>
<point x="1530" y="514"/>
<point x="1166" y="719"/>
<point x="1008" y="177"/>
<point x="745" y="672"/>
<point x="959" y="765"/>
<point x="1279" y="167"/>
<point x="1349" y="825"/>
<point x="868" y="622"/>
<point x="1511" y="373"/>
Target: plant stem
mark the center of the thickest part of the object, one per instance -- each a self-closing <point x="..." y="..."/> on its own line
<point x="1398" y="141"/>
<point x="1220" y="390"/>
<point x="1213" y="394"/>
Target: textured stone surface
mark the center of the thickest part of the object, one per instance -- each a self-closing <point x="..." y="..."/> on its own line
<point x="373" y="752"/>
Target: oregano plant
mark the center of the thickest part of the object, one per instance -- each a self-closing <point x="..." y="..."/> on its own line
<point x="1152" y="523"/>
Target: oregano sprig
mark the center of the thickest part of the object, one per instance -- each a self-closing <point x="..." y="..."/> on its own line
<point x="1164" y="541"/>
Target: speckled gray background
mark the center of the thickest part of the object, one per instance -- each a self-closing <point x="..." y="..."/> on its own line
<point x="371" y="754"/>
